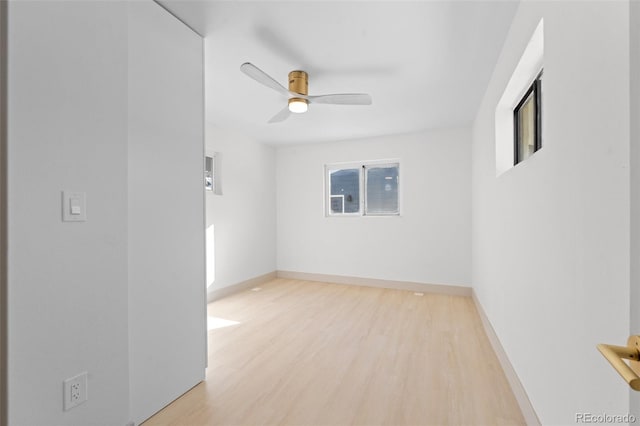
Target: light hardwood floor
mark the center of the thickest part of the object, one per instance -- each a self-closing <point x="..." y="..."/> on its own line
<point x="306" y="353"/>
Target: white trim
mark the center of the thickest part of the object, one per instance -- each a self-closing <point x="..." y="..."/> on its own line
<point x="452" y="290"/>
<point x="241" y="286"/>
<point x="526" y="71"/>
<point x="204" y="207"/>
<point x="528" y="412"/>
<point x="4" y="210"/>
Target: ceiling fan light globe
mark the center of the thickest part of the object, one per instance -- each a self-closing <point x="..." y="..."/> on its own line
<point x="298" y="105"/>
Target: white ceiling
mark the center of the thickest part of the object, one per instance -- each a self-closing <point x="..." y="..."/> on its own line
<point x="425" y="63"/>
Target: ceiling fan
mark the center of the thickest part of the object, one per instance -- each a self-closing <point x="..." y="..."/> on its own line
<point x="299" y="100"/>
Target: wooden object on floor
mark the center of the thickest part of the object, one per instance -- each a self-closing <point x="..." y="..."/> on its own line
<point x="317" y="353"/>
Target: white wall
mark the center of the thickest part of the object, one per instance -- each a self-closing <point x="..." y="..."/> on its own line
<point x="67" y="281"/>
<point x="244" y="216"/>
<point x="3" y="212"/>
<point x="428" y="243"/>
<point x="551" y="235"/>
<point x="167" y="298"/>
<point x="83" y="82"/>
<point x="634" y="52"/>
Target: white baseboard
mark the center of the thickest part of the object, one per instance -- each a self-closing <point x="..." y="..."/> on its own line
<point x="372" y="282"/>
<point x="241" y="286"/>
<point x="529" y="414"/>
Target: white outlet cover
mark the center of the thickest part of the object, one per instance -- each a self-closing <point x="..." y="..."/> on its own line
<point x="75" y="391"/>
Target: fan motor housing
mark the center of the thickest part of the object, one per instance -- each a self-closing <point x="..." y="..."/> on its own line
<point x="299" y="82"/>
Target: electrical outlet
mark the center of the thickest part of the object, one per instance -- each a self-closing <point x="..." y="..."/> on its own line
<point x="75" y="391"/>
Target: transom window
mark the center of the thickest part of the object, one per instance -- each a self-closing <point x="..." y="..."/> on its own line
<point x="527" y="123"/>
<point x="362" y="189"/>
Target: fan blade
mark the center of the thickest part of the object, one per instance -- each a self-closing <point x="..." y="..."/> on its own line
<point x="342" y="99"/>
<point x="281" y="116"/>
<point x="262" y="77"/>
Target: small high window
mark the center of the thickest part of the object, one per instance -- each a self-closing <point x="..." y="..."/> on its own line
<point x="527" y="123"/>
<point x="208" y="173"/>
<point x="360" y="189"/>
<point x="212" y="173"/>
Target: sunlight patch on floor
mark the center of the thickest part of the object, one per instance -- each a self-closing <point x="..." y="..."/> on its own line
<point x="215" y="322"/>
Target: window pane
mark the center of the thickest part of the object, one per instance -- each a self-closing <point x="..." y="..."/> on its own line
<point x="345" y="191"/>
<point x="208" y="173"/>
<point x="527" y="128"/>
<point x="382" y="190"/>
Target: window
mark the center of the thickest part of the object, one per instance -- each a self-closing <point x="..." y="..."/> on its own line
<point x="527" y="123"/>
<point x="212" y="173"/>
<point x="528" y="67"/>
<point x="345" y="191"/>
<point x="362" y="189"/>
<point x="208" y="173"/>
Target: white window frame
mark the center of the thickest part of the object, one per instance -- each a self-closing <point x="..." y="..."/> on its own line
<point x="529" y="67"/>
<point x="327" y="186"/>
<point x="216" y="187"/>
<point x="361" y="166"/>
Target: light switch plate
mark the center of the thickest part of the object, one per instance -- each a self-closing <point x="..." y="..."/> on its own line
<point x="74" y="206"/>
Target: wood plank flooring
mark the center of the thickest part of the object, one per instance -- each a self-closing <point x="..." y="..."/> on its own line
<point x="306" y="353"/>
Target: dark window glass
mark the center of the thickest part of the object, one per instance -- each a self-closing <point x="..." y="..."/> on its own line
<point x="345" y="191"/>
<point x="382" y="190"/>
<point x="208" y="173"/>
<point x="527" y="123"/>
